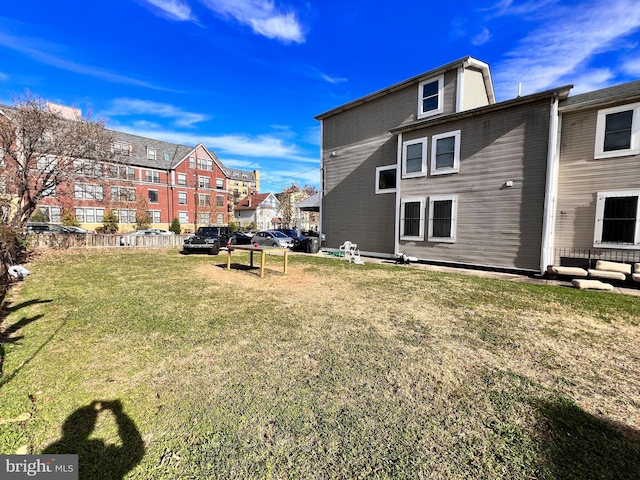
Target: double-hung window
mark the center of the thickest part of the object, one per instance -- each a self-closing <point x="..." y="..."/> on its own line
<point x="445" y="153"/>
<point x="618" y="131"/>
<point x="412" y="218"/>
<point x="182" y="198"/>
<point x="153" y="196"/>
<point x="430" y="97"/>
<point x="182" y="179"/>
<point x="617" y="219"/>
<point x="386" y="179"/>
<point x="442" y="218"/>
<point x="414" y="158"/>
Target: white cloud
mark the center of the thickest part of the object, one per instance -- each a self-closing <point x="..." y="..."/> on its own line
<point x="507" y="7"/>
<point x="591" y="80"/>
<point x="37" y="50"/>
<point x="257" y="146"/>
<point x="570" y="39"/>
<point x="131" y="106"/>
<point x="481" y="38"/>
<point x="173" y="10"/>
<point x="631" y="67"/>
<point x="262" y="16"/>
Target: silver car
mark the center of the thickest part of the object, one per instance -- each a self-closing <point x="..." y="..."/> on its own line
<point x="272" y="238"/>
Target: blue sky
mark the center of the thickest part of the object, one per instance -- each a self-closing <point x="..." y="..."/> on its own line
<point x="247" y="77"/>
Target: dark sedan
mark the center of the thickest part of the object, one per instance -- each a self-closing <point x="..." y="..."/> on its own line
<point x="238" y="238"/>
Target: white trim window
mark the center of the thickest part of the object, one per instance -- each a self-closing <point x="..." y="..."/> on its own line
<point x="443" y="212"/>
<point x="386" y="178"/>
<point x="618" y="131"/>
<point x="412" y="212"/>
<point x="414" y="158"/>
<point x="151" y="154"/>
<point x="154" y="215"/>
<point x="182" y="198"/>
<point x="182" y="179"/>
<point x="617" y="220"/>
<point x="153" y="196"/>
<point x="183" y="217"/>
<point x="204" y="182"/>
<point x="430" y="96"/>
<point x="445" y="153"/>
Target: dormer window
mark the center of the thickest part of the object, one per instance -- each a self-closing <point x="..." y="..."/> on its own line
<point x="151" y="154"/>
<point x="430" y="97"/>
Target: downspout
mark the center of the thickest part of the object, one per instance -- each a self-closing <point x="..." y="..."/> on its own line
<point x="396" y="237"/>
<point x="551" y="188"/>
<point x="322" y="188"/>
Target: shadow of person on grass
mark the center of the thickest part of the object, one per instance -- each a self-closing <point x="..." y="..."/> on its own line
<point x="581" y="446"/>
<point x="6" y="336"/>
<point x="97" y="459"/>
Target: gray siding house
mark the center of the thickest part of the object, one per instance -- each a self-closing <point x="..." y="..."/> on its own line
<point x="597" y="200"/>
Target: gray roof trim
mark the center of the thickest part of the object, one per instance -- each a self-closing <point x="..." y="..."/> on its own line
<point x="140" y="144"/>
<point x="561" y="92"/>
<point x="463" y="62"/>
<point x="229" y="171"/>
<point x="626" y="91"/>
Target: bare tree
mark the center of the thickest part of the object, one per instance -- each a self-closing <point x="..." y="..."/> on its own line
<point x="45" y="150"/>
<point x="289" y="198"/>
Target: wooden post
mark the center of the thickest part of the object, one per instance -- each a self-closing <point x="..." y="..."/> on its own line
<point x="229" y="259"/>
<point x="286" y="260"/>
<point x="262" y="257"/>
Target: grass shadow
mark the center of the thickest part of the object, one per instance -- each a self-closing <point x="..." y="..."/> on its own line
<point x="96" y="459"/>
<point x="581" y="446"/>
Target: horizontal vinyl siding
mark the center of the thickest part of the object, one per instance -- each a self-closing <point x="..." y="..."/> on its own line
<point x="581" y="177"/>
<point x="361" y="141"/>
<point x="497" y="226"/>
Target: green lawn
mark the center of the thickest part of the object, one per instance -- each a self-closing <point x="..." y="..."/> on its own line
<point x="151" y="364"/>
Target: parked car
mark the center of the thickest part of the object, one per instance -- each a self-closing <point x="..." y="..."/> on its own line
<point x="126" y="238"/>
<point x="239" y="238"/>
<point x="73" y="229"/>
<point x="299" y="241"/>
<point x="206" y="240"/>
<point x="272" y="238"/>
<point x="159" y="231"/>
<point x="43" y="227"/>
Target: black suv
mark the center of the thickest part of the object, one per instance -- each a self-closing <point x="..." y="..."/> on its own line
<point x="208" y="240"/>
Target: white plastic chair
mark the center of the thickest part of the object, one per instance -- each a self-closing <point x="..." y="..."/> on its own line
<point x="351" y="252"/>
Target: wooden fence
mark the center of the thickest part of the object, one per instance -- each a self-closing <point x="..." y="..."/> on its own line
<point x="67" y="240"/>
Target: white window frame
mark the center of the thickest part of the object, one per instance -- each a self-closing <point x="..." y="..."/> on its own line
<point x="182" y="195"/>
<point x="151" y="154"/>
<point x="423" y="169"/>
<point x="183" y="217"/>
<point x="382" y="169"/>
<point x="182" y="179"/>
<point x="439" y="109"/>
<point x="597" y="234"/>
<point x="635" y="132"/>
<point x="157" y="196"/>
<point x="404" y="201"/>
<point x="456" y="153"/>
<point x="454" y="218"/>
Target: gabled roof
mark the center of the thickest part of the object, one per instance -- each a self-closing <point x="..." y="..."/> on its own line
<point x="140" y="145"/>
<point x="626" y="91"/>
<point x="251" y="202"/>
<point x="463" y="62"/>
<point x="237" y="174"/>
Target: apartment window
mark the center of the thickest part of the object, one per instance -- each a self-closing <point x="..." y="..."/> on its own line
<point x="442" y="218"/>
<point x="87" y="191"/>
<point x="204" y="200"/>
<point x="152" y="176"/>
<point x="430" y="97"/>
<point x="386" y="179"/>
<point x="154" y="215"/>
<point x="122" y="148"/>
<point x="220" y="218"/>
<point x="414" y="158"/>
<point x="219" y="201"/>
<point x="412" y="218"/>
<point x="192" y="162"/>
<point x="125" y="216"/>
<point x="182" y="198"/>
<point x="52" y="214"/>
<point x="618" y="131"/>
<point x="123" y="194"/>
<point x="205" y="164"/>
<point x="87" y="168"/>
<point x="203" y="218"/>
<point x="153" y="196"/>
<point x="219" y="183"/>
<point x="204" y="182"/>
<point x="182" y="179"/>
<point x="167" y="157"/>
<point x="90" y="215"/>
<point x="151" y="154"/>
<point x="121" y="171"/>
<point x="183" y="217"/>
<point x="617" y="219"/>
<point x="445" y="153"/>
<point x="49" y="190"/>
